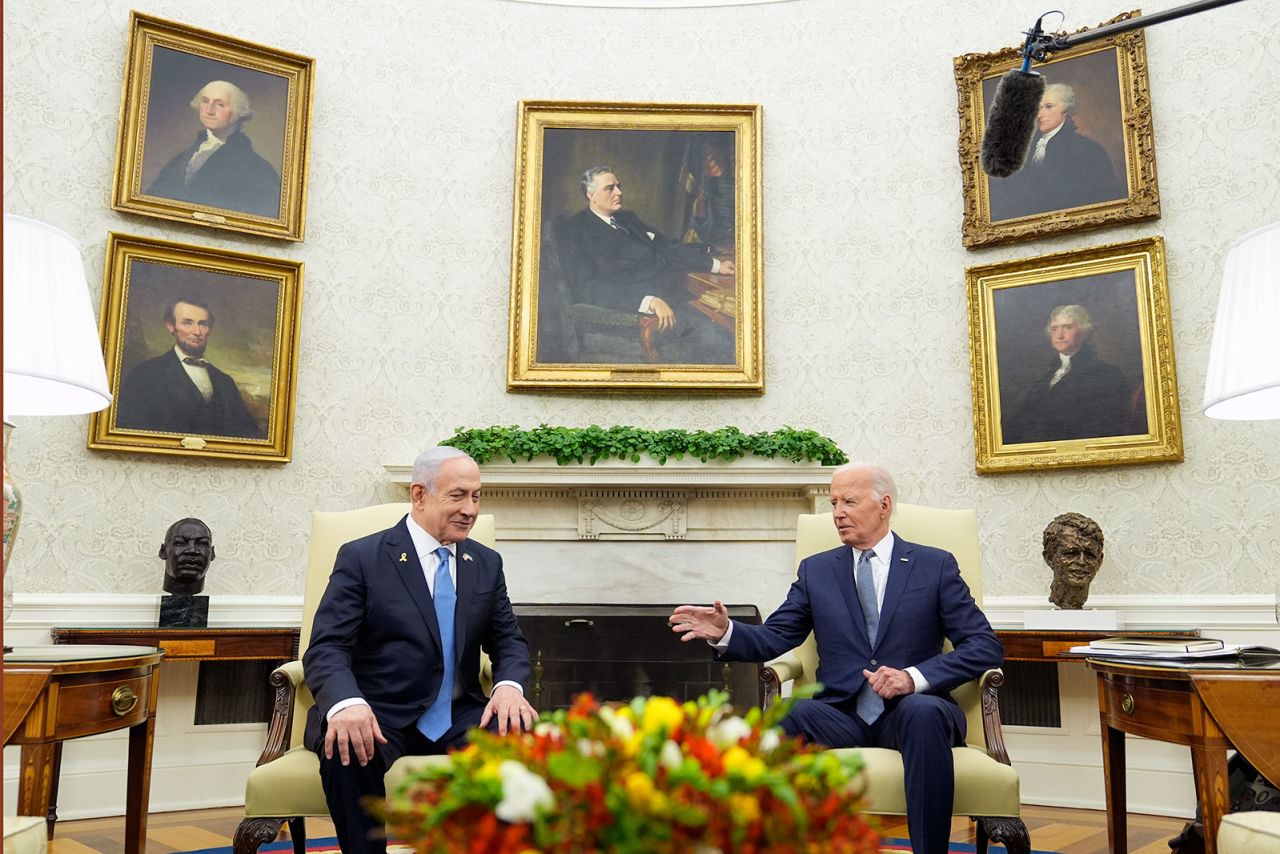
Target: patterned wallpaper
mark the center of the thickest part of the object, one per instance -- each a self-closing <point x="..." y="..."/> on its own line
<point x="407" y="256"/>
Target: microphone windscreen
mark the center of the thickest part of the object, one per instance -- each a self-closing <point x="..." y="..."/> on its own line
<point x="1011" y="122"/>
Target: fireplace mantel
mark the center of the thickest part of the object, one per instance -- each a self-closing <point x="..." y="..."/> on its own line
<point x="747" y="499"/>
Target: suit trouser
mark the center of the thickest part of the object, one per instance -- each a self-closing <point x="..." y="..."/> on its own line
<point x="923" y="728"/>
<point x="345" y="785"/>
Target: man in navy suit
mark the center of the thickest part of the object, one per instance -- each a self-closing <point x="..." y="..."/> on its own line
<point x="390" y="677"/>
<point x="879" y="608"/>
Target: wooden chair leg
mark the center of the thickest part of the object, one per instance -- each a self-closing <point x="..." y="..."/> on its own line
<point x="298" y="830"/>
<point x="1010" y="832"/>
<point x="255" y="832"/>
<point x="980" y="835"/>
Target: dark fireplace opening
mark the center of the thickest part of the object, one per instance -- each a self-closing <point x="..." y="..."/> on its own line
<point x="622" y="651"/>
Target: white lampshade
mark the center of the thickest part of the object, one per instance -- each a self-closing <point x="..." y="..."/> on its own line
<point x="1244" y="362"/>
<point x="52" y="356"/>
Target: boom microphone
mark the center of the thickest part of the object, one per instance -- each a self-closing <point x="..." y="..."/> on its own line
<point x="1011" y="122"/>
<point x="1012" y="119"/>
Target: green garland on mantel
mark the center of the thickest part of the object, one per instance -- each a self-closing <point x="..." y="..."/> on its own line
<point x="591" y="444"/>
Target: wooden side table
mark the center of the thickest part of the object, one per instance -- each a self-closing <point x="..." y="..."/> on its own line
<point x="217" y="643"/>
<point x="52" y="694"/>
<point x="1208" y="706"/>
<point x="1047" y="645"/>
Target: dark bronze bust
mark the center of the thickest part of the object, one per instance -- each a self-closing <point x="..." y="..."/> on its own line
<point x="187" y="551"/>
<point x="1073" y="550"/>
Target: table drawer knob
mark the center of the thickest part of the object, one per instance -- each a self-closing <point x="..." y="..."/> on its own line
<point x="123" y="700"/>
<point x="1127" y="704"/>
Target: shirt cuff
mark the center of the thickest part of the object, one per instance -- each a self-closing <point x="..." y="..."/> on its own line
<point x="515" y="685"/>
<point x="344" y="704"/>
<point x="723" y="644"/>
<point x="646" y="305"/>
<point x="922" y="684"/>
<point x="715" y="265"/>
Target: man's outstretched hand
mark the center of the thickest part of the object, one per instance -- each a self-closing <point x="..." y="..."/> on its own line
<point x="698" y="621"/>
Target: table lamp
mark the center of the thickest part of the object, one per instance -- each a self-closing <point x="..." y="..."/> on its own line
<point x="1243" y="382"/>
<point x="52" y="356"/>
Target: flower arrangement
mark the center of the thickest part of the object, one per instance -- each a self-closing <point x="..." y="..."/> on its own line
<point x="651" y="776"/>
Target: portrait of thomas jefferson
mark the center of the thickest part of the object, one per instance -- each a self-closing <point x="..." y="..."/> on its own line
<point x="1076" y="394"/>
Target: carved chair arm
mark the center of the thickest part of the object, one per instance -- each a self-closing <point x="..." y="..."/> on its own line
<point x="774" y="673"/>
<point x="989" y="689"/>
<point x="286" y="679"/>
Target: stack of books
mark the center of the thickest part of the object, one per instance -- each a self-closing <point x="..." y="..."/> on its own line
<point x="1169" y="648"/>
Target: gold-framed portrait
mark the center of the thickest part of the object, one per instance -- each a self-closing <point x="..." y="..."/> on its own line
<point x="1091" y="162"/>
<point x="1072" y="358"/>
<point x="214" y="130"/>
<point x="636" y="248"/>
<point x="201" y="347"/>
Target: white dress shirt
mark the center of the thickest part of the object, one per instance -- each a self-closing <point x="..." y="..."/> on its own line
<point x="425" y="546"/>
<point x="1062" y="371"/>
<point x="880" y="576"/>
<point x="199" y="374"/>
<point x="1043" y="143"/>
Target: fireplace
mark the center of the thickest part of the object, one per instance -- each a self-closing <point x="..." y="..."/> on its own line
<point x="619" y="651"/>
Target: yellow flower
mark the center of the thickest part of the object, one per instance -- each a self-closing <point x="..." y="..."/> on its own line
<point x="639" y="788"/>
<point x="738" y="761"/>
<point x="661" y="713"/>
<point x="744" y="807"/>
<point x="631" y="744"/>
<point x="489" y="770"/>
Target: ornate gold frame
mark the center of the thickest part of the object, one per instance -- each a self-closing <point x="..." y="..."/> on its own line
<point x="1145" y="260"/>
<point x="146" y="34"/>
<point x="286" y="276"/>
<point x="524" y="370"/>
<point x="1143" y="201"/>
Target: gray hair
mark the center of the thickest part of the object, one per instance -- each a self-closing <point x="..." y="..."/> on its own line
<point x="589" y="177"/>
<point x="1064" y="93"/>
<point x="239" y="100"/>
<point x="881" y="481"/>
<point x="1078" y="314"/>
<point x="426" y="467"/>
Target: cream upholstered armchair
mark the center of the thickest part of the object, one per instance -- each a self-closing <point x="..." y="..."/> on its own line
<point x="986" y="784"/>
<point x="286" y="784"/>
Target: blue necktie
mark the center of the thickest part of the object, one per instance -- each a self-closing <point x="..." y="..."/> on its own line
<point x="870" y="705"/>
<point x="437" y="719"/>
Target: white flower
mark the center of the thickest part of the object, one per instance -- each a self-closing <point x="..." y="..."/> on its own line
<point x="587" y="747"/>
<point x="729" y="732"/>
<point x="670" y="756"/>
<point x="769" y="740"/>
<point x="547" y="728"/>
<point x="523" y="793"/>
<point x="621" y="727"/>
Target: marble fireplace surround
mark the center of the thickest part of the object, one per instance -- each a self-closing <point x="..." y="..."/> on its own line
<point x="644" y="533"/>
<point x="750" y="499"/>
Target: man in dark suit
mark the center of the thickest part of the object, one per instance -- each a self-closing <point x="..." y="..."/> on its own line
<point x="879" y="608"/>
<point x="394" y="658"/>
<point x="1064" y="169"/>
<point x="180" y="391"/>
<point x="220" y="168"/>
<point x="1078" y="395"/>
<point x="612" y="258"/>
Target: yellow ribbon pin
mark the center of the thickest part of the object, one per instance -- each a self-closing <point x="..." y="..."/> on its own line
<point x="404" y="557"/>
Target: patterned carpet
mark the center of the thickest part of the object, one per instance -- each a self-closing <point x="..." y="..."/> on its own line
<point x="330" y="846"/>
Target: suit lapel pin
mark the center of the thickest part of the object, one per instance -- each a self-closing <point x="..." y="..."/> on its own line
<point x="903" y="559"/>
<point x="404" y="557"/>
<point x="466" y="556"/>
